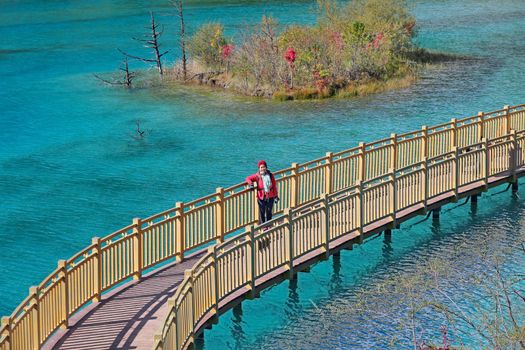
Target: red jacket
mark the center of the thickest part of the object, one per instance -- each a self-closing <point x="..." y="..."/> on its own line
<point x="260" y="185"/>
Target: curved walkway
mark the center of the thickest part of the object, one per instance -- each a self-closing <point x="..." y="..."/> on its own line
<point x="126" y="318"/>
<point x="129" y="317"/>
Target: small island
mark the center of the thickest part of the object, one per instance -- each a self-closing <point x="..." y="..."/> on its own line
<point x="360" y="48"/>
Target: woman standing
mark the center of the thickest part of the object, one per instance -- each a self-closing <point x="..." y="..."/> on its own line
<point x="267" y="194"/>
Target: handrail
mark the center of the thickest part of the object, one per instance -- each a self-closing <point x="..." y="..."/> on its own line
<point x="396" y="190"/>
<point x="126" y="253"/>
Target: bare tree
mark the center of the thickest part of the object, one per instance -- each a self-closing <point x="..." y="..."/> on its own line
<point x="128" y="76"/>
<point x="180" y="14"/>
<point x="151" y="41"/>
<point x="140" y="133"/>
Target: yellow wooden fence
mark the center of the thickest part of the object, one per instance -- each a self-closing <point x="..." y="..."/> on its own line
<point x="321" y="200"/>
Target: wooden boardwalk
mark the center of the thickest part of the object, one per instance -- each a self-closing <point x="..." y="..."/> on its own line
<point x="126" y="318"/>
<point x="327" y="204"/>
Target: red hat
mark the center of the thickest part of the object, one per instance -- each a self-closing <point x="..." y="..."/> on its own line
<point x="261" y="162"/>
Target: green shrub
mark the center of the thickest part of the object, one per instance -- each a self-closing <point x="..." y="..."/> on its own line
<point x="365" y="42"/>
<point x="207" y="43"/>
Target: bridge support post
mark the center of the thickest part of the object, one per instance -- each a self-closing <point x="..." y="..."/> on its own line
<point x="388" y="233"/>
<point x="435" y="214"/>
<point x="515" y="187"/>
<point x="474" y="199"/>
<point x="199" y="341"/>
<point x="237" y="310"/>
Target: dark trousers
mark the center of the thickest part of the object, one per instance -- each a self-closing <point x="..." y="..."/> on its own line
<point x="265" y="210"/>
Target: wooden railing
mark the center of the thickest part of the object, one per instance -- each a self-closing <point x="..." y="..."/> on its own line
<point x="344" y="193"/>
<point x="320" y="201"/>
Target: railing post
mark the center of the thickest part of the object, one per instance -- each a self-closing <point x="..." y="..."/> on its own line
<point x="219" y="215"/>
<point x="34" y="305"/>
<point x="325" y="225"/>
<point x="513" y="154"/>
<point x="393" y="199"/>
<point x="189" y="274"/>
<point x="328" y="171"/>
<point x="252" y="272"/>
<point x="424" y="143"/>
<point x="157" y="341"/>
<point x="180" y="235"/>
<point x="454" y="138"/>
<point x="62" y="265"/>
<point x="361" y="175"/>
<point x="456" y="171"/>
<point x="97" y="262"/>
<point x="508" y="123"/>
<point x="393" y="154"/>
<point x="360" y="215"/>
<point x="215" y="282"/>
<point x="425" y="182"/>
<point x="294" y="186"/>
<point x="486" y="163"/>
<point x="481" y="126"/>
<point x="6" y="322"/>
<point x="137" y="249"/>
<point x="289" y="222"/>
<point x="172" y="308"/>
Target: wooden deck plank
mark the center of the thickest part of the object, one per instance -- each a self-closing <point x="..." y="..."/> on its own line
<point x="127" y="319"/>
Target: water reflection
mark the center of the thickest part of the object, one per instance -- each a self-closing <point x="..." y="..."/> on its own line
<point x="473" y="205"/>
<point x="293" y="303"/>
<point x="336" y="281"/>
<point x="387" y="248"/>
<point x="237" y="331"/>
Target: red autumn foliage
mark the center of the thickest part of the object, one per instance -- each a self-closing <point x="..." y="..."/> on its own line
<point x="290" y="55"/>
<point x="337" y="40"/>
<point x="226" y="51"/>
<point x="376" y="42"/>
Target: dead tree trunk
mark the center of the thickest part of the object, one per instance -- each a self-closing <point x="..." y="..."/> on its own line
<point x="180" y="14"/>
<point x="128" y="76"/>
<point x="151" y="42"/>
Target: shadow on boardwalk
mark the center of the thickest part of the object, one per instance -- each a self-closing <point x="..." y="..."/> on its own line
<point x="127" y="319"/>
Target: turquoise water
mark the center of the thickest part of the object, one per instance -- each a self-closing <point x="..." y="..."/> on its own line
<point x="70" y="170"/>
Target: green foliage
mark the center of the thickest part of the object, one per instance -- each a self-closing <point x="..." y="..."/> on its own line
<point x="206" y="45"/>
<point x="356" y="43"/>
